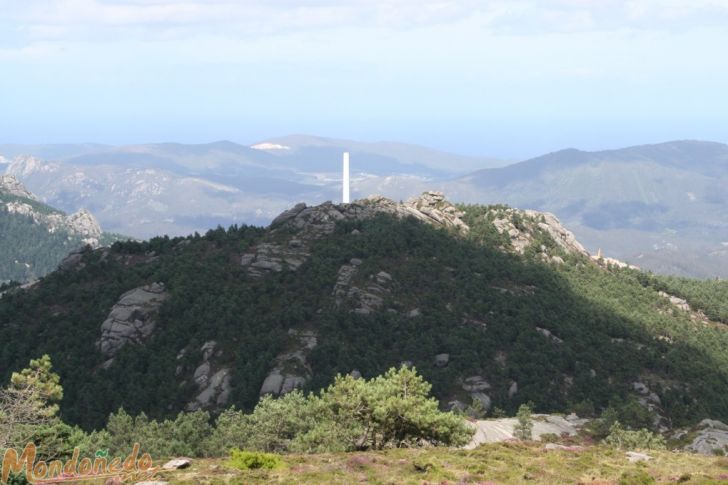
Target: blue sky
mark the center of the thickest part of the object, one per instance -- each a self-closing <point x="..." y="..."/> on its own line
<point x="509" y="79"/>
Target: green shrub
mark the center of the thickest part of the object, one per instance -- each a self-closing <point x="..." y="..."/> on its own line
<point x="389" y="411"/>
<point x="636" y="477"/>
<point x="583" y="409"/>
<point x="633" y="440"/>
<point x="253" y="460"/>
<point x="499" y="413"/>
<point x="423" y="466"/>
<point x="476" y="409"/>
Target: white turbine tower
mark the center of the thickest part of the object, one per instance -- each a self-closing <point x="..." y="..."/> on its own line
<point x="345" y="184"/>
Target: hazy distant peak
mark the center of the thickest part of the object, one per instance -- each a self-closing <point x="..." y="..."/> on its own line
<point x="24" y="165"/>
<point x="299" y="140"/>
<point x="269" y="146"/>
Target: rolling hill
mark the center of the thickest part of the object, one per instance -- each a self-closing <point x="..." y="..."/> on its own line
<point x="492" y="305"/>
<point x="663" y="207"/>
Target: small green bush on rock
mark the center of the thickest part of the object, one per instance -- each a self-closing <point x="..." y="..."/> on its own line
<point x="634" y="440"/>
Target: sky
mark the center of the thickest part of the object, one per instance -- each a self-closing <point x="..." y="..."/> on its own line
<point x="509" y="79"/>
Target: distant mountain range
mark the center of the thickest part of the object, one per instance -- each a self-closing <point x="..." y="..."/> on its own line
<point x="662" y="207"/>
<point x="169" y="188"/>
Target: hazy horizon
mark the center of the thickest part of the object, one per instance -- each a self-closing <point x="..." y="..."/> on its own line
<point x="373" y="141"/>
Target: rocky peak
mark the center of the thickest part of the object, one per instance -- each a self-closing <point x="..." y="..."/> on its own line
<point x="24" y="165"/>
<point x="85" y="224"/>
<point x="82" y="222"/>
<point x="12" y="186"/>
<point x="311" y="223"/>
<point x="523" y="226"/>
<point x="430" y="207"/>
<point x="561" y="235"/>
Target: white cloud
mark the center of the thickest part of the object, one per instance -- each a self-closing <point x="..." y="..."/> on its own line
<point x="109" y="19"/>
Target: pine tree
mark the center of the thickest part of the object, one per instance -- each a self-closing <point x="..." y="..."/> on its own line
<point x="523" y="430"/>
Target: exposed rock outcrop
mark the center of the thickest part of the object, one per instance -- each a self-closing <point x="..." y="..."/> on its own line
<point x="521" y="227"/>
<point x="549" y="335"/>
<point x="74" y="259"/>
<point x="475" y="386"/>
<point x="273" y="258"/>
<point x="291" y="370"/>
<point x="343" y="280"/>
<point x="608" y="263"/>
<point x="562" y="236"/>
<point x="430" y="207"/>
<point x="85" y="224"/>
<point x="216" y="390"/>
<point x="213" y="384"/>
<point x="311" y="223"/>
<point x="711" y="438"/>
<point x="441" y="360"/>
<point x="12" y="186"/>
<point x="496" y="430"/>
<point x="365" y="298"/>
<point x="82" y="223"/>
<point x="697" y="316"/>
<point x="651" y="401"/>
<point x="131" y="320"/>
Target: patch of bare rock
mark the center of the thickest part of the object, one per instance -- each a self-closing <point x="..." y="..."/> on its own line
<point x="291" y="370"/>
<point x="212" y="382"/>
<point x="131" y="319"/>
<point x="311" y="223"/>
<point x="496" y="430"/>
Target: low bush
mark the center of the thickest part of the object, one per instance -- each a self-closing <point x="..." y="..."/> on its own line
<point x="633" y="440"/>
<point x="253" y="460"/>
<point x="636" y="477"/>
<point x="550" y="438"/>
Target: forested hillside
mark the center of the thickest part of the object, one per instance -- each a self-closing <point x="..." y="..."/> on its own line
<point x="492" y="305"/>
<point x="35" y="238"/>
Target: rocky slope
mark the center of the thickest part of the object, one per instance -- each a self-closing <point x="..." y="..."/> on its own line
<point x="35" y="236"/>
<point x="495" y="306"/>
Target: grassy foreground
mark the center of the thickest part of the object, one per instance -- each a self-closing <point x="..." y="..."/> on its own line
<point x="502" y="463"/>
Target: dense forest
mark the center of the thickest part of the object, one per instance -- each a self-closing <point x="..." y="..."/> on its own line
<point x="572" y="335"/>
<point x="28" y="250"/>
